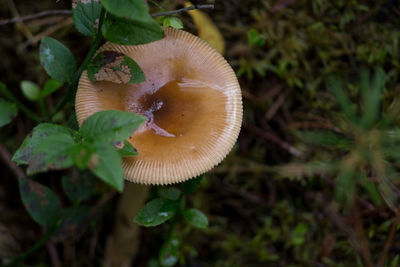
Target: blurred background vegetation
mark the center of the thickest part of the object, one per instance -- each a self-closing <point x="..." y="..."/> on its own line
<point x="313" y="179"/>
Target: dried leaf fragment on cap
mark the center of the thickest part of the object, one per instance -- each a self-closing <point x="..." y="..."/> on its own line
<point x="116" y="67"/>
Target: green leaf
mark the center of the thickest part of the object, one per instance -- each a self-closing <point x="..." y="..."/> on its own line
<point x="156" y="212"/>
<point x="191" y="185"/>
<point x="86" y="16"/>
<point x="25" y="152"/>
<point x="111" y="125"/>
<point x="114" y="67"/>
<point x="57" y="60"/>
<point x="345" y="185"/>
<point x="336" y="86"/>
<point x="127" y="150"/>
<point x="171" y="193"/>
<point x="78" y="187"/>
<point x="49" y="87"/>
<point x="30" y="90"/>
<point x="169" y="252"/>
<point x="173" y="22"/>
<point x="255" y="38"/>
<point x="325" y="138"/>
<point x="298" y="234"/>
<point x="81" y="154"/>
<point x="52" y="154"/>
<point x="8" y="111"/>
<point x="196" y="218"/>
<point x="371" y="189"/>
<point x="128" y="9"/>
<point x="126" y="32"/>
<point x="372" y="97"/>
<point x="388" y="191"/>
<point x="40" y="201"/>
<point x="106" y="164"/>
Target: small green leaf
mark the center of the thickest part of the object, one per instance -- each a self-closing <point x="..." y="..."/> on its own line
<point x="49" y="87"/>
<point x="388" y="191"/>
<point x="372" y="97"/>
<point x="78" y="187"/>
<point x="106" y="164"/>
<point x="196" y="218"/>
<point x="114" y="67"/>
<point x="52" y="154"/>
<point x="127" y="150"/>
<point x="126" y="32"/>
<point x="169" y="253"/>
<point x="255" y="38"/>
<point x="40" y="201"/>
<point x="86" y="16"/>
<point x="345" y="185"/>
<point x="25" y="152"/>
<point x="57" y="60"/>
<point x="111" y="125"/>
<point x="191" y="185"/>
<point x="171" y="193"/>
<point x="8" y="111"/>
<point x="298" y="234"/>
<point x="131" y="9"/>
<point x="335" y="84"/>
<point x="30" y="90"/>
<point x="371" y="188"/>
<point x="156" y="212"/>
<point x="173" y="22"/>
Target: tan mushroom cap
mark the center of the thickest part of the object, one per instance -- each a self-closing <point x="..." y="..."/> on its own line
<point x="192" y="101"/>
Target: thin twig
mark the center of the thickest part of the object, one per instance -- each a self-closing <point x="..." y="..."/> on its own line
<point x="55" y="259"/>
<point x="389" y="241"/>
<point x="273" y="138"/>
<point x="50" y="30"/>
<point x="21" y="26"/>
<point x="67" y="12"/>
<point x="173" y="12"/>
<point x="64" y="12"/>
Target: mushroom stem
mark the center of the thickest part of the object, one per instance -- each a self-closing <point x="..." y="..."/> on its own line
<point x="124" y="241"/>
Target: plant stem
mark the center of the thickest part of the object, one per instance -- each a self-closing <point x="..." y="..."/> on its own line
<point x="174" y="219"/>
<point x="43" y="108"/>
<point x="25" y="109"/>
<point x="74" y="84"/>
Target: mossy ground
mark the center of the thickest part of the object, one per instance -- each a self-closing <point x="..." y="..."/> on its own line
<point x="258" y="217"/>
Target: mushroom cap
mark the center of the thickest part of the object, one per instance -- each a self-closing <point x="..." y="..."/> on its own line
<point x="192" y="101"/>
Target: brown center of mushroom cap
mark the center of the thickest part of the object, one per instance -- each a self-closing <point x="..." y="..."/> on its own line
<point x="181" y="115"/>
<point x="174" y="109"/>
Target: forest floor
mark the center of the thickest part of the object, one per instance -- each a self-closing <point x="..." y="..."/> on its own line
<point x="284" y="195"/>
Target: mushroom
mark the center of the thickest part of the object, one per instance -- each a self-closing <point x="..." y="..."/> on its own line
<point x="192" y="101"/>
<point x="193" y="104"/>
